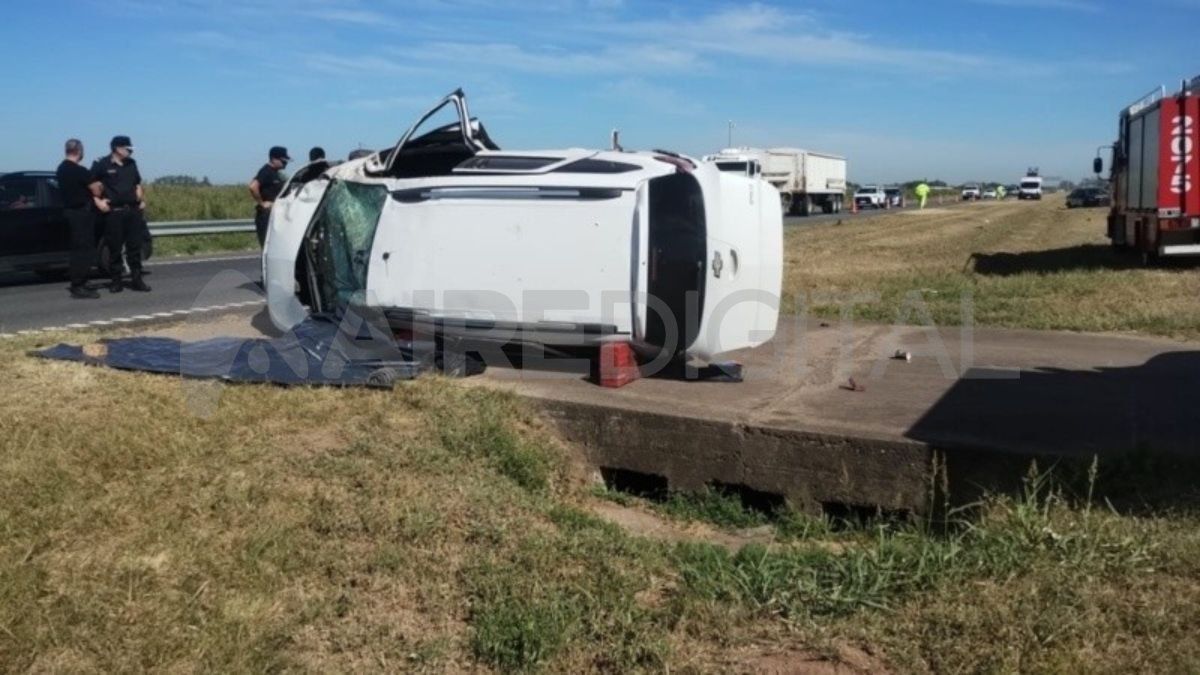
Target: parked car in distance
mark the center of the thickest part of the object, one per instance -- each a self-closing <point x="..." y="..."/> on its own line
<point x="971" y="193"/>
<point x="34" y="236"/>
<point x="1083" y="197"/>
<point x="871" y="195"/>
<point x="895" y="197"/>
<point x="989" y="194"/>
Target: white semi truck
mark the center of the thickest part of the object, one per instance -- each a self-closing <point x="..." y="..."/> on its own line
<point x="805" y="180"/>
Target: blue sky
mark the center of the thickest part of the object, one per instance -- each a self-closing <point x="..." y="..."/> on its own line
<point x="952" y="89"/>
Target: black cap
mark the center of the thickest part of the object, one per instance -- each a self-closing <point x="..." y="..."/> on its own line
<point x="120" y="142"/>
<point x="316" y="153"/>
<point x="279" y="152"/>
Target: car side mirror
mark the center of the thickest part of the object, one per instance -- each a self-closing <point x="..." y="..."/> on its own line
<point x="1097" y="166"/>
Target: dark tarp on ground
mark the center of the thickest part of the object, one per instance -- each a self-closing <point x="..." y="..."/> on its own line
<point x="319" y="351"/>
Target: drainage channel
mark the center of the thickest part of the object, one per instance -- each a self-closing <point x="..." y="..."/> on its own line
<point x="845" y="478"/>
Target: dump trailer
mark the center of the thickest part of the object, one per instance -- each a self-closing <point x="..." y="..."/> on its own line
<point x="1155" y="175"/>
<point x="806" y="180"/>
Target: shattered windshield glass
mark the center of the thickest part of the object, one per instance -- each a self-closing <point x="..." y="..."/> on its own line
<point x="340" y="242"/>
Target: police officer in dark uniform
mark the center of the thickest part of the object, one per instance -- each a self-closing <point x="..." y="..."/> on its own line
<point x="265" y="187"/>
<point x="75" y="186"/>
<point x="121" y="200"/>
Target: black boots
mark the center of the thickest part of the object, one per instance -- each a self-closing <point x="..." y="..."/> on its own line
<point x="137" y="284"/>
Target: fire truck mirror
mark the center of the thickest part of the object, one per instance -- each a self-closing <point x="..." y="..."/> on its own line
<point x="1097" y="166"/>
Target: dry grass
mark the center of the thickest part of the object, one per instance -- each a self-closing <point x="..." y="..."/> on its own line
<point x="443" y="528"/>
<point x="1020" y="264"/>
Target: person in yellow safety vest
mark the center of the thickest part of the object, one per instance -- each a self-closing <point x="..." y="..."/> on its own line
<point x="1000" y="192"/>
<point x="922" y="191"/>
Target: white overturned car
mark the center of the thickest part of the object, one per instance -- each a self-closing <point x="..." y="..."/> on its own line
<point x="556" y="247"/>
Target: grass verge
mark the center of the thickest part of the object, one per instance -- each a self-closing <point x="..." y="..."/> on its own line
<point x="1015" y="264"/>
<point x="215" y="202"/>
<point x="443" y="528"/>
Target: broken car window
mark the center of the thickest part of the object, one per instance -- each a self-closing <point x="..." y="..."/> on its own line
<point x="340" y="242"/>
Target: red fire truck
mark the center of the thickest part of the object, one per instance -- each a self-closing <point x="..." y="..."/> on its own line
<point x="1155" y="178"/>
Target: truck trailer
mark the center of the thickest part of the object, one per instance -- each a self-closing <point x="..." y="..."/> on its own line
<point x="806" y="180"/>
<point x="1155" y="175"/>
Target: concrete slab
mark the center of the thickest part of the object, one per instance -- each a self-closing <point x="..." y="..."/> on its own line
<point x="975" y="405"/>
<point x="1018" y="390"/>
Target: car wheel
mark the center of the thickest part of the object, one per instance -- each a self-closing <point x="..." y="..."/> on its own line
<point x="785" y="202"/>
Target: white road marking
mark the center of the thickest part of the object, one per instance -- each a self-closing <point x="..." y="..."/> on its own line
<point x="133" y="319"/>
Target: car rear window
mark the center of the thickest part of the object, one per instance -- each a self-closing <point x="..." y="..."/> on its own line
<point x="597" y="166"/>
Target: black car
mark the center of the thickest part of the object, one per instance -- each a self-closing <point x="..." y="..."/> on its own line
<point x="34" y="236"/>
<point x="1081" y="197"/>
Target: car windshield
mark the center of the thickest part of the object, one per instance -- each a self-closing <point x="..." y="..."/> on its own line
<point x="868" y="189"/>
<point x="1030" y="185"/>
<point x="892" y="191"/>
<point x="340" y="241"/>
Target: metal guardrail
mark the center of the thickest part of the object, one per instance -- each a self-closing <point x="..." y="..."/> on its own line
<point x="177" y="227"/>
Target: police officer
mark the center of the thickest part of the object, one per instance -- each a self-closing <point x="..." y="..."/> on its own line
<point x="317" y="163"/>
<point x="265" y="187"/>
<point x="75" y="185"/>
<point x="121" y="200"/>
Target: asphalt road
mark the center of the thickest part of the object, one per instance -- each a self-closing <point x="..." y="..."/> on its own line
<point x="182" y="286"/>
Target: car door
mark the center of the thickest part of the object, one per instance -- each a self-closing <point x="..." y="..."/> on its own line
<point x="23" y="214"/>
<point x="56" y="232"/>
<point x="290" y="218"/>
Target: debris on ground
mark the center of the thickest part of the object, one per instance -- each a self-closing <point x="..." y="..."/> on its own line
<point x="318" y="351"/>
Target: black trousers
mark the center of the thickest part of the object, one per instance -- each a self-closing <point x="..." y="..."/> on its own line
<point x="82" y="224"/>
<point x="262" y="218"/>
<point x="123" y="229"/>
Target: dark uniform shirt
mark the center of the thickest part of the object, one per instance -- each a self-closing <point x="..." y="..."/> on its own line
<point x="270" y="182"/>
<point x="120" y="181"/>
<point x="73" y="182"/>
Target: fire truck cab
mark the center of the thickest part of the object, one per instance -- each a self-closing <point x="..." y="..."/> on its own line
<point x="1155" y="175"/>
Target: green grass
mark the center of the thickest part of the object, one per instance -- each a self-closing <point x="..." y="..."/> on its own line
<point x="1014" y="264"/>
<point x="217" y="202"/>
<point x="438" y="527"/>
